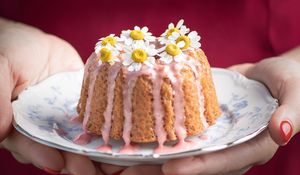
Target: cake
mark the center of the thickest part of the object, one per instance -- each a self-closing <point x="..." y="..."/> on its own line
<point x="140" y="88"/>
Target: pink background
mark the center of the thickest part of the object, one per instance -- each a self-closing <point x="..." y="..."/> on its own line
<point x="232" y="31"/>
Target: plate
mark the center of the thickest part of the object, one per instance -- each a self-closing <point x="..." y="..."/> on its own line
<point x="43" y="113"/>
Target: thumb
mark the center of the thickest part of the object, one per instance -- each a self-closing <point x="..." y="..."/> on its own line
<point x="5" y="100"/>
<point x="282" y="77"/>
<point x="285" y="121"/>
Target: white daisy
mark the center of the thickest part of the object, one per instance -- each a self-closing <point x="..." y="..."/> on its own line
<point x="180" y="28"/>
<point x="108" y="54"/>
<point x="108" y="40"/>
<point x="139" y="54"/>
<point x="191" y="40"/>
<point x="137" y="35"/>
<point x="172" y="52"/>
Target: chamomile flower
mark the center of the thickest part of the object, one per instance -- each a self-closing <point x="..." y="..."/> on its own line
<point x="179" y="28"/>
<point x="139" y="54"/>
<point x="138" y="35"/>
<point x="108" y="54"/>
<point x="172" y="52"/>
<point x="191" y="40"/>
<point x="108" y="40"/>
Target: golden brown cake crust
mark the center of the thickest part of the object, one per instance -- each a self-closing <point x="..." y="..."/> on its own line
<point x="143" y="119"/>
<point x="117" y="115"/>
<point x="99" y="102"/>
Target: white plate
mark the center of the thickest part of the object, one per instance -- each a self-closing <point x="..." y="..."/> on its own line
<point x="43" y="113"/>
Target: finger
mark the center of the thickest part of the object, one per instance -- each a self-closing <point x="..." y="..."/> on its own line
<point x="20" y="158"/>
<point x="143" y="169"/>
<point x="5" y="98"/>
<point x="78" y="164"/>
<point x="256" y="151"/>
<point x="241" y="68"/>
<point x="109" y="169"/>
<point x="39" y="155"/>
<point x="284" y="85"/>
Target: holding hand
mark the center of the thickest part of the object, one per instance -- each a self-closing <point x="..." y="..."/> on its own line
<point x="27" y="56"/>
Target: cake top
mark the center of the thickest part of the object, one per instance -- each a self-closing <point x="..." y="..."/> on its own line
<point x="136" y="48"/>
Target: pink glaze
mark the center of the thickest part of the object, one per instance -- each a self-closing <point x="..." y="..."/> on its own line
<point x="82" y="139"/>
<point x="130" y="82"/>
<point x="173" y="73"/>
<point x="75" y="119"/>
<point x="105" y="148"/>
<point x="203" y="137"/>
<point x="90" y="95"/>
<point x="179" y="147"/>
<point x="158" y="110"/>
<point x="112" y="75"/>
<point x="196" y="68"/>
<point x="127" y="103"/>
<point x="129" y="149"/>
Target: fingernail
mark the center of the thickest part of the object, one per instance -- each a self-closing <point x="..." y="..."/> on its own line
<point x="50" y="171"/>
<point x="286" y="130"/>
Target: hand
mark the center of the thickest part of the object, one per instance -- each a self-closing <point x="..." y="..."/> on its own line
<point x="27" y="56"/>
<point x="282" y="76"/>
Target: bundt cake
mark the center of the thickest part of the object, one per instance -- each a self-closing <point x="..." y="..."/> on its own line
<point x="142" y="89"/>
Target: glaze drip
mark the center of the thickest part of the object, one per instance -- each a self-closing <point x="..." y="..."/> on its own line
<point x="112" y="75"/>
<point x="196" y="68"/>
<point x="87" y="112"/>
<point x="158" y="111"/>
<point x="173" y="73"/>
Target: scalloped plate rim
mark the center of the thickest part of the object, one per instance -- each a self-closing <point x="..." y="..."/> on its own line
<point x="148" y="157"/>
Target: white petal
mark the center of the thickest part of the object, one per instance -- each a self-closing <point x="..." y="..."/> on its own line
<point x="171" y="26"/>
<point x="148" y="63"/>
<point x="195" y="44"/>
<point x="137" y="28"/>
<point x="174" y="36"/>
<point x="128" y="41"/>
<point x="119" y="47"/>
<point x="179" y="58"/>
<point x="136" y="66"/>
<point x="179" y="24"/>
<point x="167" y="59"/>
<point x="184" y="30"/>
<point x="149" y="38"/>
<point x="145" y="29"/>
<point x="131" y="68"/>
<point x="181" y="44"/>
<point x="161" y="49"/>
<point x="99" y="62"/>
<point x="193" y="34"/>
<point x="152" y="60"/>
<point x="127" y="62"/>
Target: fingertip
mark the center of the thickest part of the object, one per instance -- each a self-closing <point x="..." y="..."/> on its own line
<point x="281" y="125"/>
<point x="78" y="164"/>
<point x="46" y="157"/>
<point x="176" y="166"/>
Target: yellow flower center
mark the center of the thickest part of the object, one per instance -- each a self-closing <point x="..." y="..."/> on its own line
<point x="185" y="39"/>
<point x="105" y="55"/>
<point x="170" y="31"/>
<point x="173" y="49"/>
<point x="137" y="35"/>
<point x="139" y="55"/>
<point x="109" y="39"/>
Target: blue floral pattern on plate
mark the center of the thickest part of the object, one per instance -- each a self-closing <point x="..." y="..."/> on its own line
<point x="43" y="113"/>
